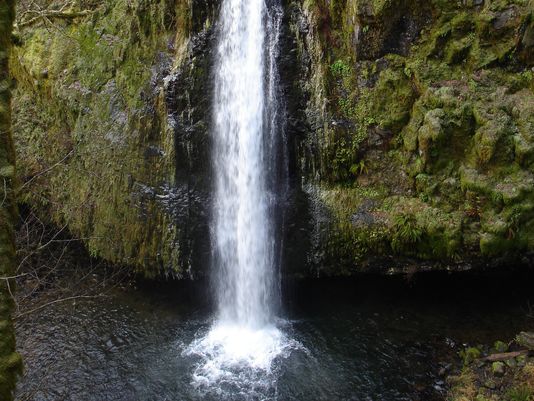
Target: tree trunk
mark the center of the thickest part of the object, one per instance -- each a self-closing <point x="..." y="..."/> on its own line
<point x="10" y="361"/>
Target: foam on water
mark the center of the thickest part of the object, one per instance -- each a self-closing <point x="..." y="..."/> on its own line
<point x="237" y="359"/>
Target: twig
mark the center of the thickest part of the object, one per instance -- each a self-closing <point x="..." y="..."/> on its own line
<point x="41" y="247"/>
<point x="5" y="192"/>
<point x="47" y="170"/>
<point x="14" y="277"/>
<point x="57" y="301"/>
<point x="11" y="294"/>
<point x="53" y="14"/>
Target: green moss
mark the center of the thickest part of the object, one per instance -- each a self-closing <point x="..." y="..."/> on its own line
<point x="469" y="355"/>
<point x="452" y="112"/>
<point x="10" y="361"/>
<point x="500" y="346"/>
<point x="98" y="112"/>
<point x="392" y="97"/>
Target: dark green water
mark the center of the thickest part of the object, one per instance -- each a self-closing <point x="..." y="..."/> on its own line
<point x="363" y="339"/>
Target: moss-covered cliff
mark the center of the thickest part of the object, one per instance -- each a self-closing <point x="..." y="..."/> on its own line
<point x="422" y="130"/>
<point x="410" y="131"/>
<point x="110" y="124"/>
<point x="10" y="361"/>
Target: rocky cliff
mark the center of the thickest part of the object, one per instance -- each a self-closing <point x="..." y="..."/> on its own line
<point x="10" y="361"/>
<point x="420" y="144"/>
<point x="110" y="125"/>
<point x="409" y="131"/>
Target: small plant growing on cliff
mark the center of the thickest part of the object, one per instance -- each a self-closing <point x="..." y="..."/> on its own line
<point x="340" y="69"/>
<point x="474" y="208"/>
<point x="358" y="168"/>
<point x="406" y="233"/>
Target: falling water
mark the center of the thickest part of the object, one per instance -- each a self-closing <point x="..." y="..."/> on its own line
<point x="245" y="163"/>
<point x="242" y="225"/>
<point x="248" y="160"/>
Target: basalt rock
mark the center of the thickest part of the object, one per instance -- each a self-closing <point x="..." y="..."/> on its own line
<point x="124" y="109"/>
<point x="408" y="127"/>
<point x="423" y="108"/>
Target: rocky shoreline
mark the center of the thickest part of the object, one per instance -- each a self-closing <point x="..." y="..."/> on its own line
<point x="502" y="372"/>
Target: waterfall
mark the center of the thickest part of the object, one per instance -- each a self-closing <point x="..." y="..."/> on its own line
<point x="249" y="162"/>
<point x="243" y="233"/>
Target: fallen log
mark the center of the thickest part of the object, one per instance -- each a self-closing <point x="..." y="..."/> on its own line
<point x="504" y="356"/>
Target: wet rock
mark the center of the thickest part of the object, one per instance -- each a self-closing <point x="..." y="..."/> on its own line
<point x="444" y="370"/>
<point x="511" y="363"/>
<point x="363" y="217"/>
<point x="378" y="137"/>
<point x="490" y="384"/>
<point x="497" y="368"/>
<point x="526" y="339"/>
<point x="502" y="18"/>
<point x="527" y="44"/>
<point x="521" y="360"/>
<point x="500" y="346"/>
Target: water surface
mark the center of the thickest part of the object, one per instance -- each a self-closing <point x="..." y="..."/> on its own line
<point x="361" y="339"/>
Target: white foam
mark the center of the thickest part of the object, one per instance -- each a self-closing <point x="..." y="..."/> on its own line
<point x="238" y="358"/>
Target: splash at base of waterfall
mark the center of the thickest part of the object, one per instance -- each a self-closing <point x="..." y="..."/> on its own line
<point x="238" y="360"/>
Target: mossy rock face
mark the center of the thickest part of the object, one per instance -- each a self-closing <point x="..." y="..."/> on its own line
<point x="10" y="361"/>
<point x="120" y="108"/>
<point x="439" y="128"/>
<point x="410" y="131"/>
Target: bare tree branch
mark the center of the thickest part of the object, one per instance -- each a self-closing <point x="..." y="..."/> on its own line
<point x="52" y="14"/>
<point x="47" y="170"/>
<point x="57" y="301"/>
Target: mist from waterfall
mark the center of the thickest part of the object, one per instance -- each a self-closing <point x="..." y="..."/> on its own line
<point x="249" y="162"/>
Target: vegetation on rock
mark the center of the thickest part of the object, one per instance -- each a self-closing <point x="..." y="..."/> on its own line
<point x="436" y="100"/>
<point x="105" y="125"/>
<point x="409" y="111"/>
<point x="10" y="361"/>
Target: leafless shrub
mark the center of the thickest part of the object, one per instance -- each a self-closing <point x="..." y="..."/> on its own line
<point x="55" y="267"/>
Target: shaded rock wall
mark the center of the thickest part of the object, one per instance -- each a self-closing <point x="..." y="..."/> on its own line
<point x="10" y="361"/>
<point x="111" y="120"/>
<point x="419" y="148"/>
<point x="409" y="130"/>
